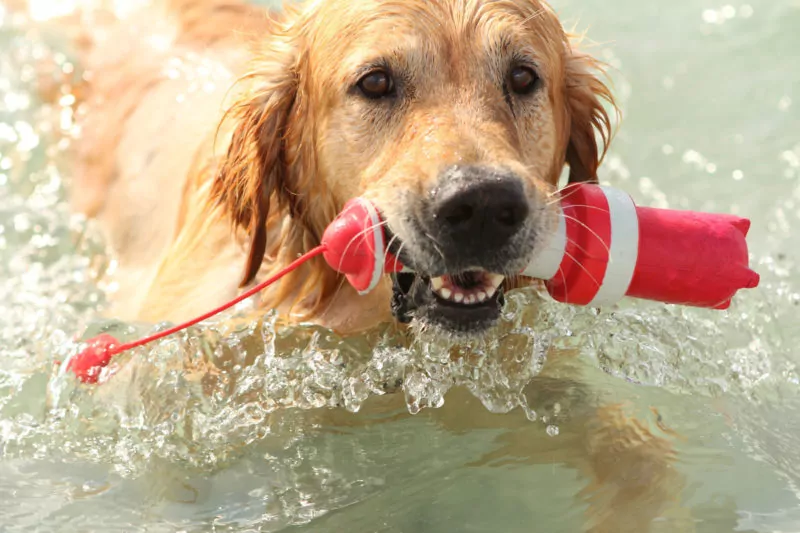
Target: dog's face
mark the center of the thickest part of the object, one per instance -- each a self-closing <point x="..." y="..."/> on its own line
<point x="455" y="118"/>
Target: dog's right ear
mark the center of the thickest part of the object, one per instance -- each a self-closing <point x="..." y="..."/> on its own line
<point x="254" y="170"/>
<point x="585" y="94"/>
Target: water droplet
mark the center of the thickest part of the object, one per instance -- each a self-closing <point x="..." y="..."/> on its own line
<point x="710" y="16"/>
<point x="728" y="11"/>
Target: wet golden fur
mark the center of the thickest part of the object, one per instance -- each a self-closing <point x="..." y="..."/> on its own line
<point x="201" y="190"/>
<point x="277" y="156"/>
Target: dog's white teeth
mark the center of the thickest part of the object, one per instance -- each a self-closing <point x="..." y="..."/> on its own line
<point x="447" y="289"/>
<point x="495" y="280"/>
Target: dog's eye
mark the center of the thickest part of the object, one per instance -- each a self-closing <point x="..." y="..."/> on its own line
<point x="522" y="80"/>
<point x="376" y="84"/>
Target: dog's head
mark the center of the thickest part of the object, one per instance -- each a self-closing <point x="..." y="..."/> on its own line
<point x="454" y="117"/>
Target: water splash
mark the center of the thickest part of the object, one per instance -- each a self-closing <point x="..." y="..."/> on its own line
<point x="269" y="378"/>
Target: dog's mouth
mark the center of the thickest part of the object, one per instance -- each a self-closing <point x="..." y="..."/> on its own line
<point x="469" y="301"/>
<point x="453" y="278"/>
<point x="469" y="288"/>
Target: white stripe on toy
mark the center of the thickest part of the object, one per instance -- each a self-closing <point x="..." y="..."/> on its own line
<point x="376" y="226"/>
<point x="548" y="259"/>
<point x="623" y="250"/>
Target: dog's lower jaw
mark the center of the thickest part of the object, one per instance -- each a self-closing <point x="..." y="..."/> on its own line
<point x="414" y="301"/>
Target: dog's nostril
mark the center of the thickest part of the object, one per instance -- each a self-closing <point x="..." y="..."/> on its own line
<point x="459" y="214"/>
<point x="509" y="216"/>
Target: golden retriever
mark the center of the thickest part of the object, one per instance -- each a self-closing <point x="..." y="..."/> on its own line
<point x="218" y="142"/>
<point x="454" y="117"/>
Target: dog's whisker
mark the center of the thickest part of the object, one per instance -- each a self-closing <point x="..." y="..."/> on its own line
<point x="563" y="279"/>
<point x="594" y="207"/>
<point x="360" y="234"/>
<point x="400" y="249"/>
<point x="597" y="283"/>
<point x="578" y="246"/>
<point x="569" y="186"/>
<point x="559" y="195"/>
<point x="590" y="230"/>
<point x="387" y="248"/>
<point x="436" y="246"/>
<point x="332" y="298"/>
<point x="431" y="237"/>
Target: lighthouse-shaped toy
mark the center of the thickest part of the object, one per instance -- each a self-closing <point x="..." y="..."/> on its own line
<point x="604" y="248"/>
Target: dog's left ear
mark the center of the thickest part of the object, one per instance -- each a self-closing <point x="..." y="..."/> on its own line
<point x="588" y="119"/>
<point x="264" y="163"/>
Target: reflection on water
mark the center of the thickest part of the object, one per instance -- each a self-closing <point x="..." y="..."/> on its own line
<point x="169" y="447"/>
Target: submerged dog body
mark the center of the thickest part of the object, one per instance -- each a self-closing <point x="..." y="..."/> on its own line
<point x="455" y="117"/>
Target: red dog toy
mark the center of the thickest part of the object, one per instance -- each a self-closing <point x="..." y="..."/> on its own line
<point x="604" y="248"/>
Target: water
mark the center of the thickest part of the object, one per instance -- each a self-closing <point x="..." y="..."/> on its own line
<point x="711" y="111"/>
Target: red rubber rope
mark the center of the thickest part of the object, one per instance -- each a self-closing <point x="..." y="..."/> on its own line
<point x="114" y="350"/>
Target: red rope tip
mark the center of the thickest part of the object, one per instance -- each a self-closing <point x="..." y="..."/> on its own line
<point x="88" y="363"/>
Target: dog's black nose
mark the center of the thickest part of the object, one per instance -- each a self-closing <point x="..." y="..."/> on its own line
<point x="475" y="207"/>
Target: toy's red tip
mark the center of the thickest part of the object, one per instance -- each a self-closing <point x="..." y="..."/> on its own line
<point x="88" y="363"/>
<point x="741" y="224"/>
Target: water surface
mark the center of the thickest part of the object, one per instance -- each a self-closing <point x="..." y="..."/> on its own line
<point x="711" y="115"/>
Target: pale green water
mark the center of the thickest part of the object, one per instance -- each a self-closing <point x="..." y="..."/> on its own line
<point x="712" y="118"/>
